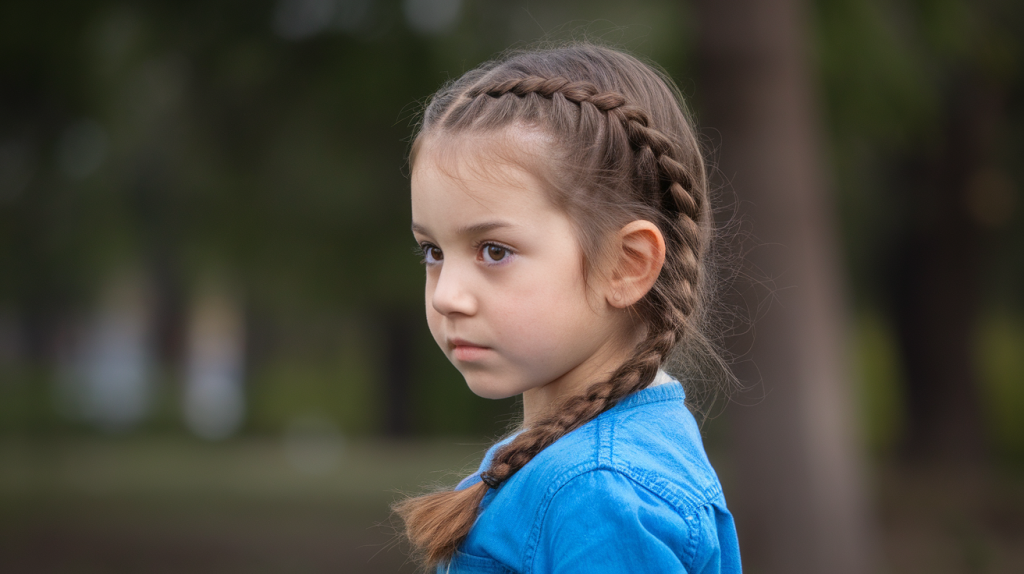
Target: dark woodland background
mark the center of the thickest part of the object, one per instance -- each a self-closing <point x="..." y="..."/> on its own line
<point x="213" y="356"/>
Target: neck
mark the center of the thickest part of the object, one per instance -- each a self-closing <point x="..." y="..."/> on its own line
<point x="539" y="402"/>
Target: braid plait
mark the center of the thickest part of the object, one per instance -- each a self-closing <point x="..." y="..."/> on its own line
<point x="669" y="184"/>
<point x="576" y="92"/>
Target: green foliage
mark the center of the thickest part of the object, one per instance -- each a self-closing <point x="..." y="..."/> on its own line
<point x="280" y="164"/>
<point x="1000" y="355"/>
<point x="331" y="379"/>
<point x="890" y="73"/>
<point x="220" y="144"/>
<point x="877" y="372"/>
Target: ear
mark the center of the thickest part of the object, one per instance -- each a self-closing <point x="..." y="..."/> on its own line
<point x="637" y="255"/>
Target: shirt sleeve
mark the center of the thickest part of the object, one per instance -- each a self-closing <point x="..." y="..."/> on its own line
<point x="602" y="521"/>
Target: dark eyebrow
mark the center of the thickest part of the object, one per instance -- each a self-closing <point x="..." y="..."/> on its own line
<point x="474" y="229"/>
<point x="482" y="227"/>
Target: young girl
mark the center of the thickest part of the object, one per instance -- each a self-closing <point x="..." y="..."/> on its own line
<point x="560" y="200"/>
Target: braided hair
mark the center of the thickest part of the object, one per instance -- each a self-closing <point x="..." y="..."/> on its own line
<point x="624" y="150"/>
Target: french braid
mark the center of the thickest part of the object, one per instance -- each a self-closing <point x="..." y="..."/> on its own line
<point x="655" y="164"/>
<point x="664" y="176"/>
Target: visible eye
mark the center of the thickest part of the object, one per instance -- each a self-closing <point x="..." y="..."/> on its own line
<point x="494" y="253"/>
<point x="432" y="254"/>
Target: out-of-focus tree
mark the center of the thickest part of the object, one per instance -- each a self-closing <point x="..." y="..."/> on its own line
<point x="800" y="493"/>
<point x="923" y="100"/>
<point x="263" y="143"/>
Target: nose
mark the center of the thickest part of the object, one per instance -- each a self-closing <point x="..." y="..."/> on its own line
<point x="452" y="293"/>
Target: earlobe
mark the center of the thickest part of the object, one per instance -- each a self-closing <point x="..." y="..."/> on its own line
<point x="639" y="253"/>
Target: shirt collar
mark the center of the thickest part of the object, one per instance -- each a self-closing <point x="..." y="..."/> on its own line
<point x="661" y="389"/>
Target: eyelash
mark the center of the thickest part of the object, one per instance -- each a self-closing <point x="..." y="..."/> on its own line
<point x="422" y="252"/>
<point x="509" y="252"/>
<point x="478" y="247"/>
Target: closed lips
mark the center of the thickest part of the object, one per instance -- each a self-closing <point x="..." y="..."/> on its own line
<point x="464" y="350"/>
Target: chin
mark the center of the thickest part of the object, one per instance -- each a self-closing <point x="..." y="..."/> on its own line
<point x="488" y="388"/>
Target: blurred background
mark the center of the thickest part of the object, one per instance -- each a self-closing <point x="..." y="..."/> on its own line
<point x="213" y="356"/>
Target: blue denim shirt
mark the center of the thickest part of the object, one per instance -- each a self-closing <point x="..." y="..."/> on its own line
<point x="630" y="491"/>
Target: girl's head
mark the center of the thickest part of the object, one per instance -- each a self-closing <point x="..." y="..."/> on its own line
<point x="563" y="194"/>
<point x="506" y="295"/>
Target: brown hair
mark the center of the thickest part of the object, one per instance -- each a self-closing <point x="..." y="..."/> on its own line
<point x="623" y="149"/>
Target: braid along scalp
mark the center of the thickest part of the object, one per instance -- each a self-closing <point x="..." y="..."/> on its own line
<point x="623" y="149"/>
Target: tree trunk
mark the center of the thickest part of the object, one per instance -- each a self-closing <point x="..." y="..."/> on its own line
<point x="800" y="503"/>
<point x="934" y="284"/>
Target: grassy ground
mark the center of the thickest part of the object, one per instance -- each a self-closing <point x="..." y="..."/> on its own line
<point x="951" y="520"/>
<point x="174" y="505"/>
<point x="168" y="505"/>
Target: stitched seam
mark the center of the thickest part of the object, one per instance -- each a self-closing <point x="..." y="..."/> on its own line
<point x="690" y="512"/>
<point x="564" y="479"/>
<point x="619" y="408"/>
<point x="687" y="509"/>
<point x="475" y="561"/>
<point x="654" y="482"/>
<point x="611" y="441"/>
<point x="691" y="543"/>
<point x="557" y="484"/>
<point x="605" y="430"/>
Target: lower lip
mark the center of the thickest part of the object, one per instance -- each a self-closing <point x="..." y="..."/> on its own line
<point x="469" y="352"/>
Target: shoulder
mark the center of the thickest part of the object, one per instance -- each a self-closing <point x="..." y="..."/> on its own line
<point x="651" y="439"/>
<point x="637" y="472"/>
<point x="606" y="521"/>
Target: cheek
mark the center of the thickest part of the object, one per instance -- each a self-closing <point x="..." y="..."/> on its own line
<point x="545" y="307"/>
<point x="433" y="317"/>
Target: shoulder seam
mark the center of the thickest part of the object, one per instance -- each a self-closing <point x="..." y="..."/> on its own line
<point x="685" y="510"/>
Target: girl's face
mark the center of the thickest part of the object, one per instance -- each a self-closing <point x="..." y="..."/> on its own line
<point x="506" y="298"/>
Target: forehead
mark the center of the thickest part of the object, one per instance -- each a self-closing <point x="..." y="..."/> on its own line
<point x="504" y="168"/>
<point x="477" y="154"/>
